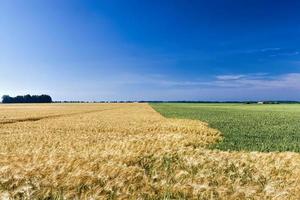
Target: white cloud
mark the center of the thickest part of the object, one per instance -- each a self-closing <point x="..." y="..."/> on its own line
<point x="270" y="49"/>
<point x="291" y="80"/>
<point x="292" y="53"/>
<point x="230" y="77"/>
<point x="261" y="50"/>
<point x="271" y="52"/>
<point x="255" y="81"/>
<point x="258" y="86"/>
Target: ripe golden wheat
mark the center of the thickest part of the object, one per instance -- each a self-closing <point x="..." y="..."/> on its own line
<point x="129" y="151"/>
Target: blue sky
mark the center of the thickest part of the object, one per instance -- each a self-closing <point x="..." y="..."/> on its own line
<point x="151" y="50"/>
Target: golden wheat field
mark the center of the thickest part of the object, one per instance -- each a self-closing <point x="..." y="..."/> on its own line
<point x="129" y="151"/>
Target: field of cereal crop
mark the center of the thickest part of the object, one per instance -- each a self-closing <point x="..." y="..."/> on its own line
<point x="130" y="151"/>
<point x="244" y="127"/>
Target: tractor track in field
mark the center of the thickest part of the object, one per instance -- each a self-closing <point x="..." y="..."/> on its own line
<point x="33" y="119"/>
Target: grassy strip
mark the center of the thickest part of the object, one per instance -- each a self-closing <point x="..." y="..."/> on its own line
<point x="245" y="127"/>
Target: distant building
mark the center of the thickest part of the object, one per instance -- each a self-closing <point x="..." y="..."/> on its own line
<point x="260" y="102"/>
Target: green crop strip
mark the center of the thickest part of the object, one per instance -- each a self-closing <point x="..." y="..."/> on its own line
<point x="244" y="127"/>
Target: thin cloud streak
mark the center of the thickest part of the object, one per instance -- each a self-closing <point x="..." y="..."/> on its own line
<point x="271" y="52"/>
<point x="259" y="86"/>
<point x="292" y="53"/>
<point x="291" y="80"/>
<point x="255" y="51"/>
<point x="230" y="77"/>
<point x="255" y="81"/>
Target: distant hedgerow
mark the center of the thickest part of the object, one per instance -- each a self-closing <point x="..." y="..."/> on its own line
<point x="27" y="99"/>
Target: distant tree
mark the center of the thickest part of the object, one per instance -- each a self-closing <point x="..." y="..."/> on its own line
<point x="27" y="99"/>
<point x="7" y="99"/>
<point x="45" y="98"/>
<point x="19" y="99"/>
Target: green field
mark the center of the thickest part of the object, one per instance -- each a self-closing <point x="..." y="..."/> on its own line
<point x="244" y="127"/>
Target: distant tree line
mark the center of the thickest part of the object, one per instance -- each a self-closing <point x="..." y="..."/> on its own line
<point x="27" y="99"/>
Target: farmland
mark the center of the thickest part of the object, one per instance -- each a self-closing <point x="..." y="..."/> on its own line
<point x="245" y="127"/>
<point x="130" y="151"/>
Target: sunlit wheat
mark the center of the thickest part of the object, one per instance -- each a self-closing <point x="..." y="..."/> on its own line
<point x="129" y="151"/>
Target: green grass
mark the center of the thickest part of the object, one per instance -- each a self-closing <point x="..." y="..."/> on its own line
<point x="244" y="127"/>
